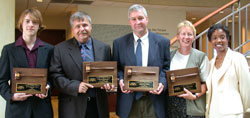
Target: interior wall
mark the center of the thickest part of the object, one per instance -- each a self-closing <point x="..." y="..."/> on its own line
<point x="247" y="46"/>
<point x="161" y="21"/>
<point x="60" y="22"/>
<point x="56" y="22"/>
<point x="7" y="34"/>
<point x="53" y="22"/>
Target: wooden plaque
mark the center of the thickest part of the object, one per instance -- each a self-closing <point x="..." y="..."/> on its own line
<point x="188" y="78"/>
<point x="100" y="73"/>
<point x="137" y="78"/>
<point x="29" y="80"/>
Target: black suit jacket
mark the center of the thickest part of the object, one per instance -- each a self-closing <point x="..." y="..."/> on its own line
<point x="66" y="69"/>
<point x="158" y="55"/>
<point x="14" y="56"/>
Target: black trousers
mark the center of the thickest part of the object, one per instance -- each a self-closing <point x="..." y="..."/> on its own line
<point x="92" y="111"/>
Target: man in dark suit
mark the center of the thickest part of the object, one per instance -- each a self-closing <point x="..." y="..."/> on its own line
<point x="27" y="52"/>
<point x="78" y="99"/>
<point x="154" y="51"/>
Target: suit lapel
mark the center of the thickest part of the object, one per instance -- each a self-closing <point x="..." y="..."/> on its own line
<point x="209" y="85"/>
<point x="75" y="53"/>
<point x="130" y="54"/>
<point x="98" y="50"/>
<point x="20" y="56"/>
<point x="42" y="56"/>
<point x="225" y="65"/>
<point x="222" y="71"/>
<point x="152" y="49"/>
<point x="209" y="81"/>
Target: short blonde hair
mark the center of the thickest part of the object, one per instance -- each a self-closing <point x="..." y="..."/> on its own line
<point x="35" y="16"/>
<point x="186" y="23"/>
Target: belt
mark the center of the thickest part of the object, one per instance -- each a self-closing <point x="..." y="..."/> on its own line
<point x="145" y="94"/>
<point x="91" y="99"/>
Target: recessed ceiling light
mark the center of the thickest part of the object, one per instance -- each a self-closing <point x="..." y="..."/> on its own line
<point x="221" y="12"/>
<point x="229" y="21"/>
<point x="193" y="18"/>
<point x="39" y="0"/>
<point x="236" y="16"/>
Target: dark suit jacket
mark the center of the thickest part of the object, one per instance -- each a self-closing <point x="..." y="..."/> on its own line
<point x="159" y="55"/>
<point x="14" y="56"/>
<point x="66" y="69"/>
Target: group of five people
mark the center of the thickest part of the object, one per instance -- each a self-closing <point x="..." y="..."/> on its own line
<point x="227" y="76"/>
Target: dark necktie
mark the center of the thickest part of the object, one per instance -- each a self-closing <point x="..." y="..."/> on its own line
<point x="138" y="55"/>
<point x="87" y="56"/>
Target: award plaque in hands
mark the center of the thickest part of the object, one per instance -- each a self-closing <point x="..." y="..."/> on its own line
<point x="100" y="73"/>
<point x="188" y="78"/>
<point x="137" y="78"/>
<point x="29" y="80"/>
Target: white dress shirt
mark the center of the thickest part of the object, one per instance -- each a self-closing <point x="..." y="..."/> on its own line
<point x="144" y="47"/>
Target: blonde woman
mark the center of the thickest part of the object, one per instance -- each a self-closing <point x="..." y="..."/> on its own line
<point x="188" y="105"/>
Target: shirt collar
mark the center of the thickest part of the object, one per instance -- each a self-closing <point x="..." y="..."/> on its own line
<point x="88" y="44"/>
<point x="20" y="42"/>
<point x="144" y="38"/>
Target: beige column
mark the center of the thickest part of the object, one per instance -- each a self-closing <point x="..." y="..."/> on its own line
<point x="7" y="33"/>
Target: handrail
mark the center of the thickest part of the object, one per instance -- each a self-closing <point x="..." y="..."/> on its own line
<point x="202" y="33"/>
<point x="173" y="40"/>
<point x="246" y="53"/>
<point x="230" y="15"/>
<point x="241" y="45"/>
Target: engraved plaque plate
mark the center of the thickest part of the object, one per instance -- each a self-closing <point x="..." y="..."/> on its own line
<point x="100" y="73"/>
<point x="32" y="88"/>
<point x="141" y="84"/>
<point x="138" y="78"/>
<point x="29" y="80"/>
<point x="100" y="79"/>
<point x="183" y="78"/>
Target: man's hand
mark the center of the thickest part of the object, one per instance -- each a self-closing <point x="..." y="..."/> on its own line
<point x="108" y="87"/>
<point x="121" y="83"/>
<point x="42" y="96"/>
<point x="158" y="90"/>
<point x="20" y="96"/>
<point x="83" y="87"/>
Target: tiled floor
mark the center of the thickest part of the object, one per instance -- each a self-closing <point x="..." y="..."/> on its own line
<point x="54" y="102"/>
<point x="112" y="115"/>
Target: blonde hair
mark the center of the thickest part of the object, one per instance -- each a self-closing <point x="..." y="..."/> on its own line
<point x="35" y="16"/>
<point x="186" y="23"/>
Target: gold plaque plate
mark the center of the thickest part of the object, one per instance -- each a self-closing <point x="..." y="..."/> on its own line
<point x="183" y="78"/>
<point x="29" y="80"/>
<point x="138" y="78"/>
<point x="100" y="73"/>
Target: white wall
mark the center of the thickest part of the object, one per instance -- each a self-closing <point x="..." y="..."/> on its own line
<point x="55" y="22"/>
<point x="7" y="35"/>
<point x="162" y="21"/>
<point x="159" y="19"/>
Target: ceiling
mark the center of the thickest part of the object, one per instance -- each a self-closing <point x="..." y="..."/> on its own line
<point x="63" y="7"/>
